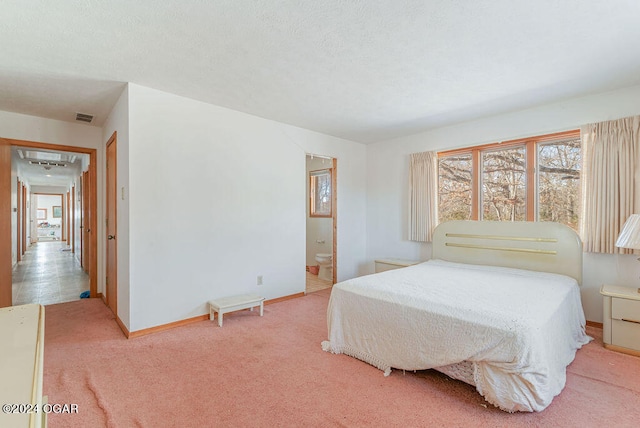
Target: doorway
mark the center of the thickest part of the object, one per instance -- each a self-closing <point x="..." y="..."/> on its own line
<point x="321" y="222"/>
<point x="6" y="213"/>
<point x="49" y="222"/>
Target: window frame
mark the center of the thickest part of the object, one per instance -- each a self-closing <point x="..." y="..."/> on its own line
<point x="531" y="157"/>
<point x="313" y="178"/>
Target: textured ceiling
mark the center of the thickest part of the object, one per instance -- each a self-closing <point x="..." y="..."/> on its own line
<point x="362" y="70"/>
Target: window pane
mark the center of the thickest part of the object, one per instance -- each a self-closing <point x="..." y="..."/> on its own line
<point x="320" y="192"/>
<point x="559" y="181"/>
<point x="504" y="185"/>
<point x="454" y="194"/>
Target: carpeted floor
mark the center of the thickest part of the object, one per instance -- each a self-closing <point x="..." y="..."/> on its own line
<point x="271" y="371"/>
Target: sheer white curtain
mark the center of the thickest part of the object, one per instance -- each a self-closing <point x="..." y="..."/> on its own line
<point x="610" y="153"/>
<point x="423" y="195"/>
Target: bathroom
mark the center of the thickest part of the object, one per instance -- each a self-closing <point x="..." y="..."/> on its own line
<point x="319" y="200"/>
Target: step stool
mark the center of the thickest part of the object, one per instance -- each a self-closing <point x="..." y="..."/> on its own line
<point x="234" y="303"/>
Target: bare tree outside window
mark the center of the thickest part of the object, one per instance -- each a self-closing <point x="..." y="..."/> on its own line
<point x="504" y="185"/>
<point x="559" y="181"/>
<point x="320" y="193"/>
<point x="454" y="182"/>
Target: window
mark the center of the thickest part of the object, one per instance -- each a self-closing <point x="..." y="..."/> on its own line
<point x="320" y="193"/>
<point x="535" y="179"/>
<point x="559" y="181"/>
<point x="454" y="187"/>
<point x="504" y="184"/>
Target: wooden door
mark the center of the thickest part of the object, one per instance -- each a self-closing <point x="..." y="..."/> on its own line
<point x="111" y="268"/>
<point x="86" y="222"/>
<point x="67" y="216"/>
<point x="25" y="223"/>
<point x="72" y="216"/>
<point x="19" y="222"/>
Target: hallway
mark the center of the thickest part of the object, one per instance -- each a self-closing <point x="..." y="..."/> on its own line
<point x="48" y="275"/>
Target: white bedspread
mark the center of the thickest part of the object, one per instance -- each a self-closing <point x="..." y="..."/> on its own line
<point x="520" y="329"/>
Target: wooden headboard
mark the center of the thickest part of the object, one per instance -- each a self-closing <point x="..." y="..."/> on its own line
<point x="539" y="246"/>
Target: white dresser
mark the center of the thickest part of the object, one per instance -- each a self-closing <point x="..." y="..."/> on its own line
<point x="21" y="366"/>
<point x="621" y="327"/>
<point x="388" y="264"/>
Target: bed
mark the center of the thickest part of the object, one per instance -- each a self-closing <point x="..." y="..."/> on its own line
<point x="498" y="306"/>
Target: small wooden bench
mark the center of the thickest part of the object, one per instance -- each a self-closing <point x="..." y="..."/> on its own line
<point x="234" y="303"/>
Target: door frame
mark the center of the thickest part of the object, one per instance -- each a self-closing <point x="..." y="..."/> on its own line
<point x="6" y="298"/>
<point x="85" y="227"/>
<point x="334" y="212"/>
<point x="334" y="218"/>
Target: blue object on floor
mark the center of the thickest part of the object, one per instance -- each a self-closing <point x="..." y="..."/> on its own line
<point x="85" y="294"/>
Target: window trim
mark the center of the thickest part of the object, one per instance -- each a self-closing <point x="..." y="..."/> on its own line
<point x="530" y="144"/>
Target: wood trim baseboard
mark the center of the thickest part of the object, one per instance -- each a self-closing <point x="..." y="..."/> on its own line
<point x="594" y="324"/>
<point x="168" y="326"/>
<point x="180" y="323"/>
<point x="284" y="298"/>
<point x="123" y="327"/>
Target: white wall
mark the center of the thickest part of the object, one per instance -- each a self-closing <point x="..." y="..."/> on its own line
<point x="49" y="189"/>
<point x="387" y="177"/>
<point x="47" y="202"/>
<point x="216" y="198"/>
<point x="318" y="228"/>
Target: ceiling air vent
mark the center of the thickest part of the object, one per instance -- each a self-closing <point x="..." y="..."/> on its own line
<point x="82" y="117"/>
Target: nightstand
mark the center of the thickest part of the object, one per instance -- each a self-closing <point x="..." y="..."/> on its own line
<point x="388" y="264"/>
<point x="621" y="327"/>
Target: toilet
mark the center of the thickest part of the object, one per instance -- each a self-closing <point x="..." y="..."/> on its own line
<point x="326" y="267"/>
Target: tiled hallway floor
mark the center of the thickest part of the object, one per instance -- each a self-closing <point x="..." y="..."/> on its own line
<point x="315" y="284"/>
<point x="48" y="275"/>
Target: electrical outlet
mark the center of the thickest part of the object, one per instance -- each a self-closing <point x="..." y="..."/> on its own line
<point x="259" y="279"/>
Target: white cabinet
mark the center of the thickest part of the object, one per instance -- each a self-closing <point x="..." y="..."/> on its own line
<point x="388" y="264"/>
<point x="21" y="365"/>
<point x="621" y="327"/>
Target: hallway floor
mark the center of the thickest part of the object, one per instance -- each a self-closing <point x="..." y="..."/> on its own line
<point x="48" y="275"/>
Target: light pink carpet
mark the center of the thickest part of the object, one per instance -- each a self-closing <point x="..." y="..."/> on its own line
<point x="271" y="371"/>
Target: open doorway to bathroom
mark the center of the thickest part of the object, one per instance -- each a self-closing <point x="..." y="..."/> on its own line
<point x="321" y="216"/>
